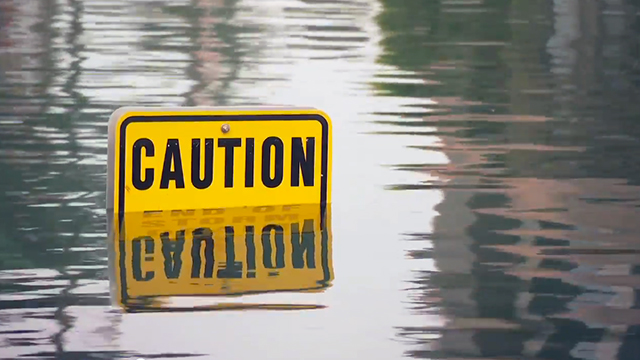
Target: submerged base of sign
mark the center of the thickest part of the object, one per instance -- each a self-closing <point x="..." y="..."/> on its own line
<point x="165" y="304"/>
<point x="194" y="158"/>
<point x="156" y="256"/>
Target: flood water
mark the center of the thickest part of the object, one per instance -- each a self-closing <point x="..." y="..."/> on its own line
<point x="486" y="186"/>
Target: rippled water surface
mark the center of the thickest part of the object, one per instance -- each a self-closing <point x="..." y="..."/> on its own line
<point x="486" y="186"/>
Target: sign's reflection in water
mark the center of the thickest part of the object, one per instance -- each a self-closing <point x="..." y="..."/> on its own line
<point x="214" y="254"/>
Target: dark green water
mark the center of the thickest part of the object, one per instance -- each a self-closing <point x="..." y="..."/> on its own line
<point x="486" y="186"/>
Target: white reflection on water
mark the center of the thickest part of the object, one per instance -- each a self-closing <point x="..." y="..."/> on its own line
<point x="369" y="297"/>
<point x="305" y="54"/>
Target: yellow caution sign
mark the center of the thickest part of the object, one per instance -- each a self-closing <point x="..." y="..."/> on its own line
<point x="196" y="158"/>
<point x="220" y="251"/>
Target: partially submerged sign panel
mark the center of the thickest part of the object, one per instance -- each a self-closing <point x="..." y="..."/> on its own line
<point x="197" y="158"/>
<point x="220" y="252"/>
<point x="200" y="201"/>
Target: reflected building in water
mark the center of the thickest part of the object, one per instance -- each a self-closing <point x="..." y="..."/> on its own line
<point x="535" y="241"/>
<point x="210" y="63"/>
<point x="223" y="40"/>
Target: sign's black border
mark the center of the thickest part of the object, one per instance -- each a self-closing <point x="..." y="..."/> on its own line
<point x="220" y="118"/>
<point x="199" y="118"/>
